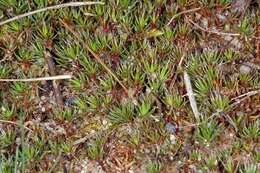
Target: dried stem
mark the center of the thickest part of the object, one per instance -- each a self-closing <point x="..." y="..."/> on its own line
<point x="212" y="32"/>
<point x="190" y="94"/>
<point x="70" y="4"/>
<point x="181" y="13"/>
<point x="243" y="97"/>
<point x="58" y="77"/>
<point x="248" y="94"/>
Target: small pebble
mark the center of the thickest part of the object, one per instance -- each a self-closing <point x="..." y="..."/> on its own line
<point x="18" y="141"/>
<point x="70" y="101"/>
<point x="104" y="122"/>
<point x="43" y="98"/>
<point x="131" y="171"/>
<point x="173" y="139"/>
<point x="231" y="135"/>
<point x="43" y="109"/>
<point x="148" y="90"/>
<point x="171" y="158"/>
<point x="243" y="69"/>
<point x="170" y="128"/>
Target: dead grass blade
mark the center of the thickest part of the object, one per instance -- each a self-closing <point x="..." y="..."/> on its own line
<point x="58" y="77"/>
<point x="69" y="4"/>
<point x="181" y="13"/>
<point x="242" y="97"/>
<point x="191" y="97"/>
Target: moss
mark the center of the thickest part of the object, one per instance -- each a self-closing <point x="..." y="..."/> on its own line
<point x="117" y="113"/>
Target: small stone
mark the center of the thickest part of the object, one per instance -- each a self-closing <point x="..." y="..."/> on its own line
<point x="104" y="122"/>
<point x="18" y="141"/>
<point x="173" y="139"/>
<point x="131" y="171"/>
<point x="170" y="128"/>
<point x="148" y="90"/>
<point x="43" y="109"/>
<point x="243" y="69"/>
<point x="171" y="158"/>
<point x="70" y="101"/>
<point x="43" y="98"/>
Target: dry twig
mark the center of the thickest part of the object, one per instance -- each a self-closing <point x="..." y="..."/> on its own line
<point x="69" y="4"/>
<point x="212" y="32"/>
<point x="243" y="97"/>
<point x="181" y="13"/>
<point x="248" y="94"/>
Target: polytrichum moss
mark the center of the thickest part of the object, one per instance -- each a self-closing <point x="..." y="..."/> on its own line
<point x="130" y="113"/>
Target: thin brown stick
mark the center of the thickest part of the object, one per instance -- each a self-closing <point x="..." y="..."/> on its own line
<point x="212" y="32"/>
<point x="58" y="77"/>
<point x="70" y="4"/>
<point x="14" y="123"/>
<point x="99" y="60"/>
<point x="183" y="12"/>
<point x="56" y="85"/>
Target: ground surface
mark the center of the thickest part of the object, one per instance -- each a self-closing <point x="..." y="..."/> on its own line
<point x="138" y="116"/>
